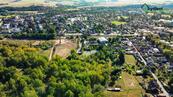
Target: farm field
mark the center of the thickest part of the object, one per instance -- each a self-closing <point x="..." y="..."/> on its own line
<point x="22" y="3"/>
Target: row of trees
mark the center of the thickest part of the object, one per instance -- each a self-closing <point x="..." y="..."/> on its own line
<point x="50" y="33"/>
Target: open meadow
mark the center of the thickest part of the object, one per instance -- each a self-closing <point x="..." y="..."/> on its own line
<point x="129" y="83"/>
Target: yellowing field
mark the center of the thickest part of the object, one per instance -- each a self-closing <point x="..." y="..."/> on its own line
<point x="27" y="3"/>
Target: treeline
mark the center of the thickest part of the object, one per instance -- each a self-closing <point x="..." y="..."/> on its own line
<point x="38" y="36"/>
<point x="49" y="33"/>
<point x="25" y="73"/>
<point x="30" y="8"/>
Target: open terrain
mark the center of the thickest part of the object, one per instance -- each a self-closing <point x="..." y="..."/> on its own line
<point x="118" y="23"/>
<point x="129" y="85"/>
<point x="17" y="42"/>
<point x="21" y="3"/>
<point x="130" y="59"/>
<point x="64" y="48"/>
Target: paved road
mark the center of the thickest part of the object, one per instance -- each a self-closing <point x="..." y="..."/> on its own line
<point x="154" y="76"/>
<point x="80" y="47"/>
<point x="101" y="35"/>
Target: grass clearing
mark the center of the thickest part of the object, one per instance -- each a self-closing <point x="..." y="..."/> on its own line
<point x="129" y="83"/>
<point x="130" y="86"/>
<point x="130" y="59"/>
<point x="16" y="42"/>
<point x="46" y="52"/>
<point x="118" y="23"/>
<point x="7" y="16"/>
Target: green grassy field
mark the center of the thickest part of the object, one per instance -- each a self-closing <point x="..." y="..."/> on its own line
<point x="118" y="23"/>
<point x="45" y="52"/>
<point x="8" y="16"/>
<point x="130" y="59"/>
<point x="129" y="83"/>
<point x="130" y="86"/>
<point x="17" y="42"/>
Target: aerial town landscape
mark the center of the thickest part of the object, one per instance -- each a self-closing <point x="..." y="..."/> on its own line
<point x="85" y="48"/>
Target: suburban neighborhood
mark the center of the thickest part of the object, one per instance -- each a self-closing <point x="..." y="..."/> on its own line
<point x="86" y="51"/>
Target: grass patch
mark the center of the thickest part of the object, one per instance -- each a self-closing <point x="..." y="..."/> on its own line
<point x="16" y="42"/>
<point x="118" y="23"/>
<point x="46" y="52"/>
<point x="130" y="86"/>
<point x="8" y="16"/>
<point x="130" y="59"/>
<point x="129" y="83"/>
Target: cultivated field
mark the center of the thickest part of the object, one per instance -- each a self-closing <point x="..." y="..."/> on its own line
<point x="22" y="3"/>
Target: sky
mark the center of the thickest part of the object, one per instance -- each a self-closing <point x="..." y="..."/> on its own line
<point x="129" y="2"/>
<point x="102" y="2"/>
<point x="133" y="1"/>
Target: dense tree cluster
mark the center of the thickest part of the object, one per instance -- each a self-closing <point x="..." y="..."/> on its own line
<point x="25" y="73"/>
<point x="50" y="33"/>
<point x="30" y="8"/>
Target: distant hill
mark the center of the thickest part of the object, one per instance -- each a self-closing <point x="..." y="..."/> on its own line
<point x="168" y="6"/>
<point x="24" y="3"/>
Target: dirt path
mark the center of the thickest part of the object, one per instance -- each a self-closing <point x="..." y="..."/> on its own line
<point x="51" y="53"/>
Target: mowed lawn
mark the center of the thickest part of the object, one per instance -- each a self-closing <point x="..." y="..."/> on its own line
<point x="130" y="86"/>
<point x="130" y="59"/>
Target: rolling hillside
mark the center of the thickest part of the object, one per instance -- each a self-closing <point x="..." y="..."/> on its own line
<point x="20" y="3"/>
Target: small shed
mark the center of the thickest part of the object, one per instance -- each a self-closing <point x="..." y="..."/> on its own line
<point x="161" y="95"/>
<point x="102" y="40"/>
<point x="139" y="72"/>
<point x="114" y="89"/>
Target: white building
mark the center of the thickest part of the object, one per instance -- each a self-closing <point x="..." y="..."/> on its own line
<point x="102" y="40"/>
